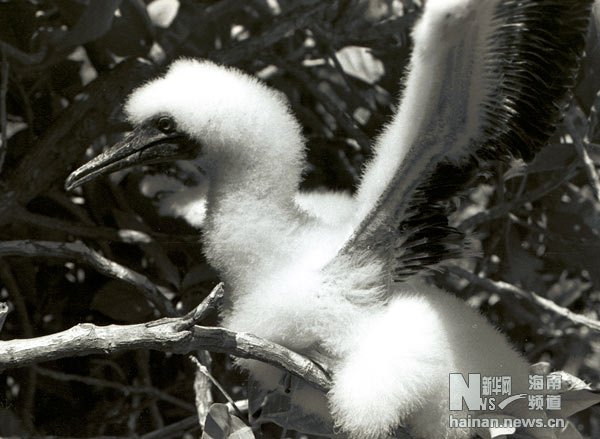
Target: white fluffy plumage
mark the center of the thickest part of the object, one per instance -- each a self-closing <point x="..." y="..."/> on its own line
<point x="295" y="267"/>
<point x="391" y="358"/>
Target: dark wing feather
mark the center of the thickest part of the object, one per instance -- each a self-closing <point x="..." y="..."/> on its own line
<point x="524" y="55"/>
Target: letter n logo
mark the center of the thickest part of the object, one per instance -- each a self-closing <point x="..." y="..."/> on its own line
<point x="469" y="393"/>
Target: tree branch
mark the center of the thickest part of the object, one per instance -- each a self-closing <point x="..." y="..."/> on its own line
<point x="4" y="310"/>
<point x="79" y="252"/>
<point x="3" y="93"/>
<point x="125" y="389"/>
<point x="504" y="288"/>
<point x="166" y="335"/>
<point x="170" y="334"/>
<point x="502" y="210"/>
<point x="59" y="149"/>
<point x="588" y="164"/>
<point x="298" y="18"/>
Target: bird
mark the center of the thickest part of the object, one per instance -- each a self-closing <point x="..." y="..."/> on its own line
<point x="342" y="280"/>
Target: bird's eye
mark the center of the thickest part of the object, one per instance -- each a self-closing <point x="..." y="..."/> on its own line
<point x="165" y="124"/>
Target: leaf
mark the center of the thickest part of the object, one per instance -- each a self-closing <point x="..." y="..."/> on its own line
<point x="551" y="158"/>
<point x="569" y="432"/>
<point x="575" y="401"/>
<point x="121" y="301"/>
<point x="275" y="406"/>
<point x="518" y="168"/>
<point x="540" y="368"/>
<point x="163" y="12"/>
<point x="576" y="395"/>
<point x="588" y="78"/>
<point x="95" y="21"/>
<point x="571" y="382"/>
<point x="575" y="243"/>
<point x="220" y="424"/>
<point x="522" y="266"/>
<point x="567" y="290"/>
<point x="360" y="63"/>
<point x="132" y="32"/>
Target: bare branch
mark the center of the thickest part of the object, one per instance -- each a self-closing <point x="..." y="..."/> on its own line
<point x="59" y="149"/>
<point x="77" y="229"/>
<point x="212" y="301"/>
<point x="27" y="59"/>
<point x="169" y="334"/>
<point x="342" y="118"/>
<point x="4" y="310"/>
<point x="588" y="163"/>
<point x="130" y="236"/>
<point x="504" y="288"/>
<point x="502" y="210"/>
<point x="126" y="390"/>
<point x="3" y="115"/>
<point x="297" y="18"/>
<point x="14" y="293"/>
<point x="201" y="369"/>
<point x="78" y="251"/>
<point x="203" y="397"/>
<point x="166" y="335"/>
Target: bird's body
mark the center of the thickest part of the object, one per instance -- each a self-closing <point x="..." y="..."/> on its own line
<point x="326" y="283"/>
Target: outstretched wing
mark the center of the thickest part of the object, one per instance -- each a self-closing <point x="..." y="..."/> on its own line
<point x="487" y="79"/>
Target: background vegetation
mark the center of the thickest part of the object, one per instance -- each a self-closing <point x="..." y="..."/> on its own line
<point x="66" y="67"/>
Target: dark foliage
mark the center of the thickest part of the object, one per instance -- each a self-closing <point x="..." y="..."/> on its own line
<point x="66" y="67"/>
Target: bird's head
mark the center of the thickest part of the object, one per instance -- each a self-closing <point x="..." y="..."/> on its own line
<point x="218" y="117"/>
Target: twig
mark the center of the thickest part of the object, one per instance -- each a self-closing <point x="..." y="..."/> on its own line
<point x="26" y="59"/>
<point x="142" y="359"/>
<point x="29" y="387"/>
<point x="368" y="33"/>
<point x="29" y="115"/>
<point x="588" y="163"/>
<point x="343" y="119"/>
<point x="4" y="310"/>
<point x="211" y="302"/>
<point x="3" y="93"/>
<point x="504" y="288"/>
<point x="77" y="229"/>
<point x="203" y="398"/>
<point x="80" y="252"/>
<point x="202" y="377"/>
<point x="559" y="237"/>
<point x="14" y="292"/>
<point x="202" y="386"/>
<point x="130" y="236"/>
<point x="59" y="149"/>
<point x="126" y="390"/>
<point x="166" y="335"/>
<point x="504" y="209"/>
<point x="204" y="371"/>
<point x="294" y="19"/>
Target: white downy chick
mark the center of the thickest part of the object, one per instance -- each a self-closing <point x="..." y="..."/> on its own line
<point x="344" y="290"/>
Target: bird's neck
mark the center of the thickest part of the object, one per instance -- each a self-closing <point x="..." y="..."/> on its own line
<point x="252" y="219"/>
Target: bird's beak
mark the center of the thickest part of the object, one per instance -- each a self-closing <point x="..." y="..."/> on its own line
<point x="144" y="145"/>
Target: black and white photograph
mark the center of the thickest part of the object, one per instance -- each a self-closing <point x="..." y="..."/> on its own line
<point x="300" y="219"/>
